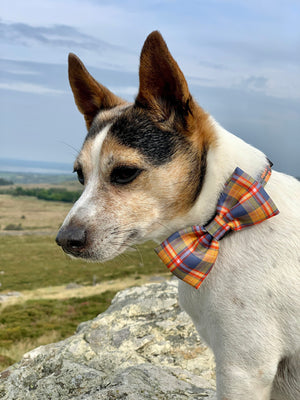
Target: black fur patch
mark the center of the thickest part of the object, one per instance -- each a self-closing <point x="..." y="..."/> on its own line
<point x="135" y="129"/>
<point x="201" y="168"/>
<point x="98" y="125"/>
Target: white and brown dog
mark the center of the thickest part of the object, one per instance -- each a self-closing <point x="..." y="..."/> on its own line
<point x="158" y="165"/>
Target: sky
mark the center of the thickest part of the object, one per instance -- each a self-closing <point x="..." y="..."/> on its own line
<point x="241" y="60"/>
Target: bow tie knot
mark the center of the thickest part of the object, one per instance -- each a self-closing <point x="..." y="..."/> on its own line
<point x="191" y="253"/>
<point x="221" y="224"/>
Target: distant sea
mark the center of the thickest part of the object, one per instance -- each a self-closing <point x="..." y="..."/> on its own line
<point x="35" y="167"/>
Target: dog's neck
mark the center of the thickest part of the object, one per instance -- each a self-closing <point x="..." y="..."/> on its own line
<point x="228" y="153"/>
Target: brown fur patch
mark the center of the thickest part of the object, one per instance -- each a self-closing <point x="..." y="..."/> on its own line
<point x="165" y="94"/>
<point x="175" y="184"/>
<point x="165" y="113"/>
<point x="172" y="185"/>
<point x="162" y="84"/>
<point x="200" y="128"/>
<point x="114" y="154"/>
<point x="90" y="96"/>
<point x="83" y="161"/>
<point x="164" y="134"/>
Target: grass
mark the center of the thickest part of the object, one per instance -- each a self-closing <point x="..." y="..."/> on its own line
<point x="47" y="315"/>
<point x="33" y="261"/>
<point x="32" y="213"/>
<point x="35" y="322"/>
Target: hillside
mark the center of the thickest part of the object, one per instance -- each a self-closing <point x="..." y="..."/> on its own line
<point x="44" y="294"/>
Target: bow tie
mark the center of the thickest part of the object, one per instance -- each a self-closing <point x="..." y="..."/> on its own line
<point x="191" y="253"/>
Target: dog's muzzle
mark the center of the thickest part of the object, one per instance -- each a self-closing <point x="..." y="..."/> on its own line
<point x="72" y="239"/>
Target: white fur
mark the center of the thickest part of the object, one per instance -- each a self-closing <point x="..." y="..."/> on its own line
<point x="230" y="152"/>
<point x="248" y="308"/>
<point x="85" y="206"/>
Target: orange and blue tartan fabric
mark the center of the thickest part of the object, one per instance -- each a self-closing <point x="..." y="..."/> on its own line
<point x="191" y="253"/>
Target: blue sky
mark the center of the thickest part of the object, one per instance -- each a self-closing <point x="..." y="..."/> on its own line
<point x="241" y="60"/>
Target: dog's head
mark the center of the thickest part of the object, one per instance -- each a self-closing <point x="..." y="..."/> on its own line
<point x="142" y="164"/>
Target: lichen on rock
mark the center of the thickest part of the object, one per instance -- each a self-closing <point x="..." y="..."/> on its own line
<point x="142" y="347"/>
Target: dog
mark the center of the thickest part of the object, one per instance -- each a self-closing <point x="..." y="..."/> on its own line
<point x="158" y="165"/>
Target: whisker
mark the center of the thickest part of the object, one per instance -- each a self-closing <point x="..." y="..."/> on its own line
<point x="142" y="264"/>
<point x="71" y="147"/>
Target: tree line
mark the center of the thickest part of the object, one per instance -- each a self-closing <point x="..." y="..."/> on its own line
<point x="51" y="194"/>
<point x="4" y="182"/>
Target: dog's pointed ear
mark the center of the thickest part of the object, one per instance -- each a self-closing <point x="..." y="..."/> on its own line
<point x="163" y="87"/>
<point x="90" y="96"/>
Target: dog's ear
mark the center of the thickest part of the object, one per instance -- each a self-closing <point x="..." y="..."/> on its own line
<point x="90" y="96"/>
<point x="163" y="87"/>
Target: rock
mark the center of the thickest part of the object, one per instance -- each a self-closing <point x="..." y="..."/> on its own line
<point x="142" y="348"/>
<point x="73" y="285"/>
<point x="9" y="295"/>
<point x="158" y="278"/>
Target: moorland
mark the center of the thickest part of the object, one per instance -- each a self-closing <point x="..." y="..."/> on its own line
<point x="44" y="294"/>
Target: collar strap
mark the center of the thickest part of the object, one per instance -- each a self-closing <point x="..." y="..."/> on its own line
<point x="191" y="253"/>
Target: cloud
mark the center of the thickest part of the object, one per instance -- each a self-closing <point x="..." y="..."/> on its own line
<point x="21" y="72"/>
<point x="253" y="83"/>
<point x="29" y="88"/>
<point x="31" y="77"/>
<point x="127" y="91"/>
<point x="257" y="82"/>
<point x="55" y="35"/>
<point x="212" y="65"/>
<point x="47" y="78"/>
<point x="270" y="51"/>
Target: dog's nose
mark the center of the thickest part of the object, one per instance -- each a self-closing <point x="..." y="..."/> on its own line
<point x="72" y="239"/>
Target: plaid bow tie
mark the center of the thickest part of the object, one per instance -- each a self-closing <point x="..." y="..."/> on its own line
<point x="191" y="253"/>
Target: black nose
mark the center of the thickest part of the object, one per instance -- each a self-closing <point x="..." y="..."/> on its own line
<point x="72" y="239"/>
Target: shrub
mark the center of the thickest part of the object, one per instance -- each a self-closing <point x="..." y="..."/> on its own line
<point x="5" y="182"/>
<point x="13" y="227"/>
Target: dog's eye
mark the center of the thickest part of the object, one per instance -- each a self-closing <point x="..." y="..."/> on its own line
<point x="124" y="175"/>
<point x="80" y="175"/>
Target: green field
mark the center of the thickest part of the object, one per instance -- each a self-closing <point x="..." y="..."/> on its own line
<point x="33" y="323"/>
<point x="29" y="262"/>
<point x="56" y="293"/>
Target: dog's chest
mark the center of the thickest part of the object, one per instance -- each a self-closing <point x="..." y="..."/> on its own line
<point x="246" y="281"/>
